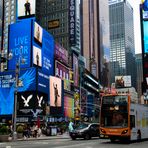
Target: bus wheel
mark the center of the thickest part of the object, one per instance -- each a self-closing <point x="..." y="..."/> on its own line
<point x="112" y="139"/>
<point x="139" y="135"/>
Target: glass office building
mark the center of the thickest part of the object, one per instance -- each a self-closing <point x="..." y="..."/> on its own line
<point x="122" y="53"/>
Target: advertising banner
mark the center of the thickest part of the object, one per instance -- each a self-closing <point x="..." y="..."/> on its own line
<point x="145" y="36"/>
<point x="20" y="44"/>
<point x="75" y="70"/>
<point x="62" y="72"/>
<point x="26" y="8"/>
<point x="144" y="7"/>
<point x="68" y="107"/>
<point x="122" y="81"/>
<point x="56" y="96"/>
<point x="8" y="87"/>
<point x="38" y="33"/>
<point x="61" y="53"/>
<point x="47" y="53"/>
<point x="32" y="103"/>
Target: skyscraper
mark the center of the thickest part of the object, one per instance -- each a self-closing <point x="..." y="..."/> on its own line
<point x="95" y="38"/>
<point x="122" y="53"/>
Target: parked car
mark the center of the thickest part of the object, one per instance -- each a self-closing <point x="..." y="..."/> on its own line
<point x="86" y="131"/>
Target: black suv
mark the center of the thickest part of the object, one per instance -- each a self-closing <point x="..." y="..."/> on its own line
<point x="85" y="131"/>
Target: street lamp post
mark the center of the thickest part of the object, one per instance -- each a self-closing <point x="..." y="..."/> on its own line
<point x="15" y="101"/>
<point x="17" y="84"/>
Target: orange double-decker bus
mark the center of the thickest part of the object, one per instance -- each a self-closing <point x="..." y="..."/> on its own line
<point x="121" y="119"/>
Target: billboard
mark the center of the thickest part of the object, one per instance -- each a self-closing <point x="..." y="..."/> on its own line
<point x="20" y="43"/>
<point x="56" y="95"/>
<point x="25" y="8"/>
<point x="7" y="87"/>
<point x="145" y="36"/>
<point x="75" y="70"/>
<point x="37" y="56"/>
<point x="123" y="81"/>
<point x="68" y="107"/>
<point x="62" y="72"/>
<point x="38" y="33"/>
<point x="61" y="53"/>
<point x="55" y="91"/>
<point x="47" y="53"/>
<point x="31" y="103"/>
<point x="144" y="8"/>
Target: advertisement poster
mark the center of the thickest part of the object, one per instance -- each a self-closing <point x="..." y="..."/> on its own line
<point x="122" y="81"/>
<point x="8" y="86"/>
<point x="55" y="91"/>
<point x="20" y="44"/>
<point x="37" y="56"/>
<point x="38" y="32"/>
<point x="25" y="8"/>
<point x="75" y="70"/>
<point x="68" y="107"/>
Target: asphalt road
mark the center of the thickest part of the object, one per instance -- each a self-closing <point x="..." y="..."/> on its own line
<point x="68" y="143"/>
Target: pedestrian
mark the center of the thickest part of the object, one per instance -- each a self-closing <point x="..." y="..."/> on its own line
<point x="70" y="127"/>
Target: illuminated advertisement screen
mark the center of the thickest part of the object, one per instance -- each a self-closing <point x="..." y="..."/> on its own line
<point x="25" y="8"/>
<point x="47" y="53"/>
<point x="1" y="17"/>
<point x="144" y="7"/>
<point x="20" y="43"/>
<point x="55" y="91"/>
<point x="31" y="103"/>
<point x="145" y="33"/>
<point x="75" y="70"/>
<point x="8" y="86"/>
<point x="68" y="107"/>
<point x="37" y="56"/>
<point x="122" y="81"/>
<point x="83" y="101"/>
<point x="56" y="95"/>
<point x="38" y="32"/>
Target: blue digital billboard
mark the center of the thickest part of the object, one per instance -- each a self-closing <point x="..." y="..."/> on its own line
<point x="20" y="38"/>
<point x="145" y="33"/>
<point x="8" y="87"/>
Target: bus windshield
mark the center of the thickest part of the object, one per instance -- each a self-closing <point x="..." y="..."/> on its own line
<point x="114" y="111"/>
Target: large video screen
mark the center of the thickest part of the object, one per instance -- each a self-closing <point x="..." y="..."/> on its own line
<point x="25" y="8"/>
<point x="8" y="86"/>
<point x="56" y="96"/>
<point x="145" y="36"/>
<point x="20" y="44"/>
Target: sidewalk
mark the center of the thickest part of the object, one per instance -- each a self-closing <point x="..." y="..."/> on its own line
<point x="44" y="137"/>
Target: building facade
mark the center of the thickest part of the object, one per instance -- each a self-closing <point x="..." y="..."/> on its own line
<point x="8" y="17"/>
<point x="139" y="74"/>
<point x="122" y="53"/>
<point x="95" y="38"/>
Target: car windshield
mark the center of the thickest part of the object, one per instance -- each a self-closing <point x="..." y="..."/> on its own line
<point x="81" y="126"/>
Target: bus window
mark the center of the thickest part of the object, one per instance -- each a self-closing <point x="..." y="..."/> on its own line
<point x="132" y="121"/>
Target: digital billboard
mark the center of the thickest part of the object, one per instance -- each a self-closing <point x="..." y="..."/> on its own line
<point x="8" y="87"/>
<point x="25" y="8"/>
<point x="144" y="7"/>
<point x="37" y="56"/>
<point x="47" y="53"/>
<point x="75" y="70"/>
<point x="56" y="95"/>
<point x="20" y="44"/>
<point x="68" y="107"/>
<point x="31" y="102"/>
<point x="38" y="32"/>
<point x="145" y="36"/>
<point x="55" y="91"/>
<point x="123" y="81"/>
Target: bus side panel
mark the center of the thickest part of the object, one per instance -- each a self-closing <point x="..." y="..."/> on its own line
<point x="140" y="130"/>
